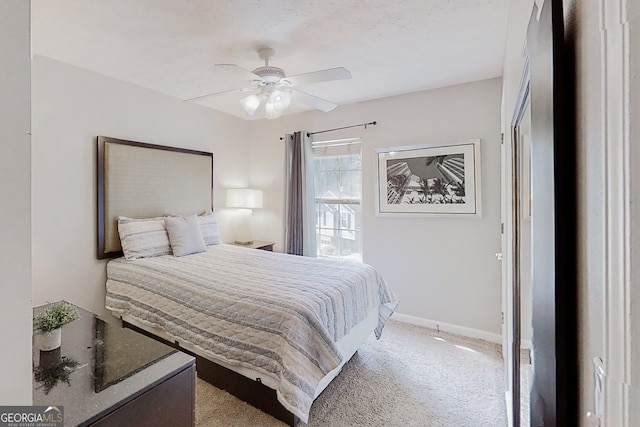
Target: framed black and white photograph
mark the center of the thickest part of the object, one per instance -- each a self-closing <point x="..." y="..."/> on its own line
<point x="430" y="180"/>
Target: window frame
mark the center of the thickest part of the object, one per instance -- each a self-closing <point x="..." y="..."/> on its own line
<point x="338" y="148"/>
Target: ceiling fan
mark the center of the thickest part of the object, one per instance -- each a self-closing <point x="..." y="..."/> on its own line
<point x="270" y="90"/>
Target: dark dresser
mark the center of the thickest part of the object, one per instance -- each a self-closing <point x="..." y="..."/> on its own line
<point x="106" y="375"/>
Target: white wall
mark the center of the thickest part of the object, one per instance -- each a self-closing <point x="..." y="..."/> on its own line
<point x="15" y="214"/>
<point x="70" y="108"/>
<point x="443" y="269"/>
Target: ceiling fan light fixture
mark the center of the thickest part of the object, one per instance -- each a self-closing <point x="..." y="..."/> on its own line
<point x="281" y="99"/>
<point x="273" y="89"/>
<point x="270" y="74"/>
<point x="270" y="112"/>
<point x="250" y="103"/>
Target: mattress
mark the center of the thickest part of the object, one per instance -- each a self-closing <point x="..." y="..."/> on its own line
<point x="275" y="314"/>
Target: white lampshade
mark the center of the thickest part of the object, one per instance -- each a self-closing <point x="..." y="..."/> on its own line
<point x="250" y="103"/>
<point x="280" y="99"/>
<point x="270" y="112"/>
<point x="244" y="198"/>
<point x="274" y="101"/>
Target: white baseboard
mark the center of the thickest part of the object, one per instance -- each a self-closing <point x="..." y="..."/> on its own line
<point x="448" y="327"/>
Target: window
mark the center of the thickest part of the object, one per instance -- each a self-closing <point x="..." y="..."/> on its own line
<point x="344" y="220"/>
<point x="338" y="188"/>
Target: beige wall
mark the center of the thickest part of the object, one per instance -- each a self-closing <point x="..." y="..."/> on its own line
<point x="70" y="108"/>
<point x="443" y="269"/>
<point x="15" y="246"/>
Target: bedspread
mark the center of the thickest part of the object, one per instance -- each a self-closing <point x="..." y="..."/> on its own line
<point x="275" y="313"/>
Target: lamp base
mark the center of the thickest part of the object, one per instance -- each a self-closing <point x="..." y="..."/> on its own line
<point x="244" y="242"/>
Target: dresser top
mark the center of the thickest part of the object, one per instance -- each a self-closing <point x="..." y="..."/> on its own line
<point x="99" y="367"/>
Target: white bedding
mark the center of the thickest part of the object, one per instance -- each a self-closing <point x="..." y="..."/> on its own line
<point x="275" y="314"/>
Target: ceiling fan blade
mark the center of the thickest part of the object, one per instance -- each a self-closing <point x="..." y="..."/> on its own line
<point x="238" y="71"/>
<point x="211" y="95"/>
<point x="330" y="74"/>
<point x="314" y="101"/>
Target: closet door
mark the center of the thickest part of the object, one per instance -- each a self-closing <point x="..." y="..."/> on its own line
<point x="553" y="221"/>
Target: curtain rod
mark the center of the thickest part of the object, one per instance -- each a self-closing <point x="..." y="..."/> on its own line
<point x="345" y="127"/>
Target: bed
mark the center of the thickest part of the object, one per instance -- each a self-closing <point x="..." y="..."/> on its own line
<point x="273" y="329"/>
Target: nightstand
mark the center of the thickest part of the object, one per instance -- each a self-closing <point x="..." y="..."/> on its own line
<point x="256" y="244"/>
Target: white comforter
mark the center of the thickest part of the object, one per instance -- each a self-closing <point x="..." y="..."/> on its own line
<point x="278" y="314"/>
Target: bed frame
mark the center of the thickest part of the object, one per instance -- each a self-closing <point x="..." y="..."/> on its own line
<point x="254" y="392"/>
<point x="247" y="384"/>
<point x="140" y="180"/>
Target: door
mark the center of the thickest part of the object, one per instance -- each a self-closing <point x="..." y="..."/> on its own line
<point x="553" y="221"/>
<point x="547" y="93"/>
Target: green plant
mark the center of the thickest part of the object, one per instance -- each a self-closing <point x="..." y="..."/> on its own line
<point x="55" y="316"/>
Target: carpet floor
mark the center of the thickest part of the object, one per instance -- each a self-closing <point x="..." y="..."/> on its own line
<point x="412" y="376"/>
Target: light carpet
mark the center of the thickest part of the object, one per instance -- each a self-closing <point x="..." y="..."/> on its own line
<point x="412" y="376"/>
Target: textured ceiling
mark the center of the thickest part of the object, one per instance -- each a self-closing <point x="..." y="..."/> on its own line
<point x="171" y="46"/>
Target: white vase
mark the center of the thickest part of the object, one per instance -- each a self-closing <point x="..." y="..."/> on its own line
<point x="47" y="341"/>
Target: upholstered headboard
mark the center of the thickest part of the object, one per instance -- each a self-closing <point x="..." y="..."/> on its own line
<point x="141" y="180"/>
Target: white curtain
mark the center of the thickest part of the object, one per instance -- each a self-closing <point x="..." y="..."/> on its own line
<point x="300" y="226"/>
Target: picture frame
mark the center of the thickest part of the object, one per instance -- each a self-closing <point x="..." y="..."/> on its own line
<point x="430" y="180"/>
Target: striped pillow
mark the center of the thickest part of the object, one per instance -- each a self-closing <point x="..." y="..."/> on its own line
<point x="209" y="228"/>
<point x="143" y="238"/>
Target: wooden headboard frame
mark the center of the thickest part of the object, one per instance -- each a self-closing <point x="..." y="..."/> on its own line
<point x="141" y="180"/>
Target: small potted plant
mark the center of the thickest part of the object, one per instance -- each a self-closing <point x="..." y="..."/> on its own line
<point x="48" y="323"/>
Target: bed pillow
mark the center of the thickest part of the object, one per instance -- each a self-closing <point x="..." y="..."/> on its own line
<point x="185" y="235"/>
<point x="143" y="237"/>
<point x="209" y="228"/>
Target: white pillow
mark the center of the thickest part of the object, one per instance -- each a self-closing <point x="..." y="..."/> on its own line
<point x="143" y="237"/>
<point x="209" y="228"/>
<point x="185" y="235"/>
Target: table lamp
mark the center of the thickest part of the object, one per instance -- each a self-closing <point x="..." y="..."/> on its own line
<point x="244" y="200"/>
